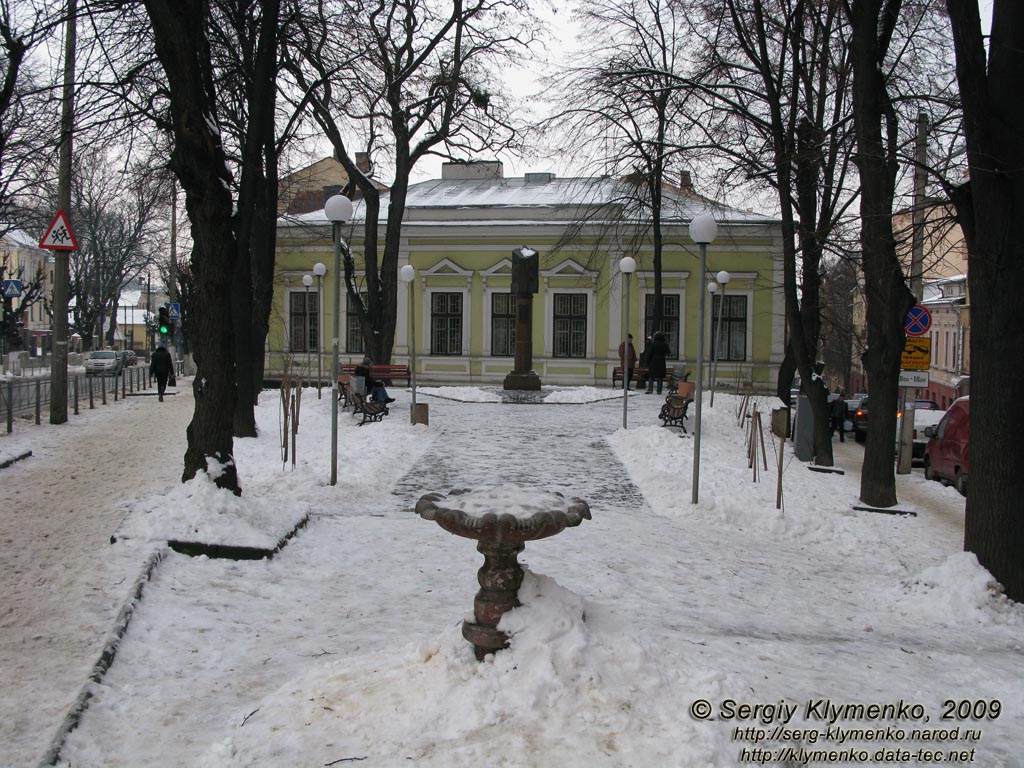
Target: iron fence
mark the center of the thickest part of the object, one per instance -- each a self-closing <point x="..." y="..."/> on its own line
<point x="28" y="398"/>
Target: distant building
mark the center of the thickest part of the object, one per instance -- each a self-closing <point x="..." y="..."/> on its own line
<point x="943" y="291"/>
<point x="306" y="189"/>
<point x="21" y="256"/>
<point x="459" y="234"/>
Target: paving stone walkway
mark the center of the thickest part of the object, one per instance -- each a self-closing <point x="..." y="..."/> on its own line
<point x="560" y="449"/>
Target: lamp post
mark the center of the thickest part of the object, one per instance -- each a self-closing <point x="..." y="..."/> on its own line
<point x="408" y="275"/>
<point x="307" y="280"/>
<point x="319" y="269"/>
<point x="703" y="230"/>
<point x="627" y="266"/>
<point x="723" y="280"/>
<point x="338" y="209"/>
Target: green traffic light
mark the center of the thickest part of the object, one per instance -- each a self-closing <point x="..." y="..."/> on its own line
<point x="163" y="329"/>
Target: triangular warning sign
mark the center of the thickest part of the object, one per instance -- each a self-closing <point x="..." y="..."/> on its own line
<point x="59" y="236"/>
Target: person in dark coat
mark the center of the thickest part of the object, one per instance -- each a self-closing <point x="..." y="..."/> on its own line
<point x="627" y="359"/>
<point x="656" y="355"/>
<point x="839" y="412"/>
<point x="161" y="366"/>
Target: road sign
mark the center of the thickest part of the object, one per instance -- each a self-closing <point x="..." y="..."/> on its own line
<point x="914" y="379"/>
<point x="59" y="236"/>
<point x="174" y="311"/>
<point x="12" y="289"/>
<point x="917" y="354"/>
<point x="918" y="321"/>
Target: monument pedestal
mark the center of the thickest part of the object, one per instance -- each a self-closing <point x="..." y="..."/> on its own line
<point x="527" y="380"/>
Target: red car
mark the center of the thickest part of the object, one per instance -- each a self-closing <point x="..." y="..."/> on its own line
<point x="945" y="456"/>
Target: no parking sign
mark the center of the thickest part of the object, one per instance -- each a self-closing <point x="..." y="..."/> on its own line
<point x="918" y="321"/>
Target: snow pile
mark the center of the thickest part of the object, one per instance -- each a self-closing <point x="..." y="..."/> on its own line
<point x="576" y="686"/>
<point x="958" y="591"/>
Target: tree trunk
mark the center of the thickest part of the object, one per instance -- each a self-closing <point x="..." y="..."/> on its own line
<point x="991" y="211"/>
<point x="886" y="293"/>
<point x="199" y="162"/>
<point x="251" y="265"/>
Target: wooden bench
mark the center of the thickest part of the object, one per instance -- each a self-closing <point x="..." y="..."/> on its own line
<point x="371" y="409"/>
<point x="673" y="412"/>
<point x="386" y="372"/>
<point x="639" y="376"/>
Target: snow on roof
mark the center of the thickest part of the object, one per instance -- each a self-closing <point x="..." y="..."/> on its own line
<point x="21" y="238"/>
<point x="523" y="194"/>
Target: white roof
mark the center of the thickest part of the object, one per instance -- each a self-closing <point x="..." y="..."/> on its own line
<point x="517" y="198"/>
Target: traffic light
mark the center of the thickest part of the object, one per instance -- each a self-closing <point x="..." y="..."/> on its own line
<point x="163" y="324"/>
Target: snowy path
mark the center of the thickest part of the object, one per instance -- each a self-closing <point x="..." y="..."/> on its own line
<point x="62" y="583"/>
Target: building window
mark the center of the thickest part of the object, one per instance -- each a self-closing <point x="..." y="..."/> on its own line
<point x="734" y="328"/>
<point x="446" y="323"/>
<point x="669" y="321"/>
<point x="297" y="316"/>
<point x="354" y="326"/>
<point x="503" y="325"/>
<point x="570" y="325"/>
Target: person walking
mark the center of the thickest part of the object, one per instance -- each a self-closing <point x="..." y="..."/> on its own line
<point x="657" y="353"/>
<point x="839" y="412"/>
<point x="161" y="366"/>
<point x="627" y="359"/>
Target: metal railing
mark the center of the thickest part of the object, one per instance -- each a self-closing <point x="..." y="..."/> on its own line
<point x="29" y="398"/>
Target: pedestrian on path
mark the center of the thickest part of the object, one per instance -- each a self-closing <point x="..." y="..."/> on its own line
<point x="839" y="413"/>
<point x="657" y="353"/>
<point x="160" y="366"/>
<point x="627" y="360"/>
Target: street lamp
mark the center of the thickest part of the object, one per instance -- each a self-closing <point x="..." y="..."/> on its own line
<point x="338" y="209"/>
<point x="307" y="280"/>
<point x="703" y="231"/>
<point x="627" y="266"/>
<point x="723" y="280"/>
<point x="408" y="275"/>
<point x="319" y="269"/>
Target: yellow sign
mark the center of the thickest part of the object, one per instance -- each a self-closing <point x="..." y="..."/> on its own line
<point x="917" y="353"/>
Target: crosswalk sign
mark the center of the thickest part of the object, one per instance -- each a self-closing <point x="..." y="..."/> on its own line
<point x="59" y="236"/>
<point x="12" y="289"/>
<point x="174" y="311"/>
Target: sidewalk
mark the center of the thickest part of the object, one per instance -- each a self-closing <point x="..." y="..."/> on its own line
<point x="346" y="645"/>
<point x="62" y="583"/>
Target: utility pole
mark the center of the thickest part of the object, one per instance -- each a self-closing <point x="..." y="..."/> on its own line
<point x="61" y="277"/>
<point x="906" y="453"/>
<point x="172" y="289"/>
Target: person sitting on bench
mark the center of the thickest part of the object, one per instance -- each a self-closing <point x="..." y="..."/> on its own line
<point x="372" y="388"/>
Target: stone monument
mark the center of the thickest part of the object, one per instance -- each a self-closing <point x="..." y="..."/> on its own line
<point x="525" y="283"/>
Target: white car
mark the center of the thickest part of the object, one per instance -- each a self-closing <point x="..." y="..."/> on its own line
<point x="105" y="361"/>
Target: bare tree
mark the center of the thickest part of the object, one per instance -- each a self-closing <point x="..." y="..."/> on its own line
<point x="625" y="115"/>
<point x="412" y="78"/>
<point x="199" y="161"/>
<point x="990" y="208"/>
<point x="24" y="113"/>
<point x="769" y="95"/>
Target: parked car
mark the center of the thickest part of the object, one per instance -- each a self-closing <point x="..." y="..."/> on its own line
<point x="852" y="404"/>
<point x="925" y="405"/>
<point x="128" y="358"/>
<point x="946" y="457"/>
<point x="104" y="361"/>
<point x="860" y="421"/>
<point x="923" y="418"/>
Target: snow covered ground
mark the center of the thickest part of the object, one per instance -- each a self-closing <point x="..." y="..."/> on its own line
<point x="659" y="633"/>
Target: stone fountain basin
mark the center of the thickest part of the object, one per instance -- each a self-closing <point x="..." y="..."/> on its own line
<point x="503" y="514"/>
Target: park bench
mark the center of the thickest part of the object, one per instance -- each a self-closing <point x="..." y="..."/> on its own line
<point x="372" y="410"/>
<point x="386" y="372"/>
<point x="673" y="412"/>
<point x="639" y="376"/>
<point x="345" y="389"/>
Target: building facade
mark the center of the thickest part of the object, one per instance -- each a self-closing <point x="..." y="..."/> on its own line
<point x="459" y="234"/>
